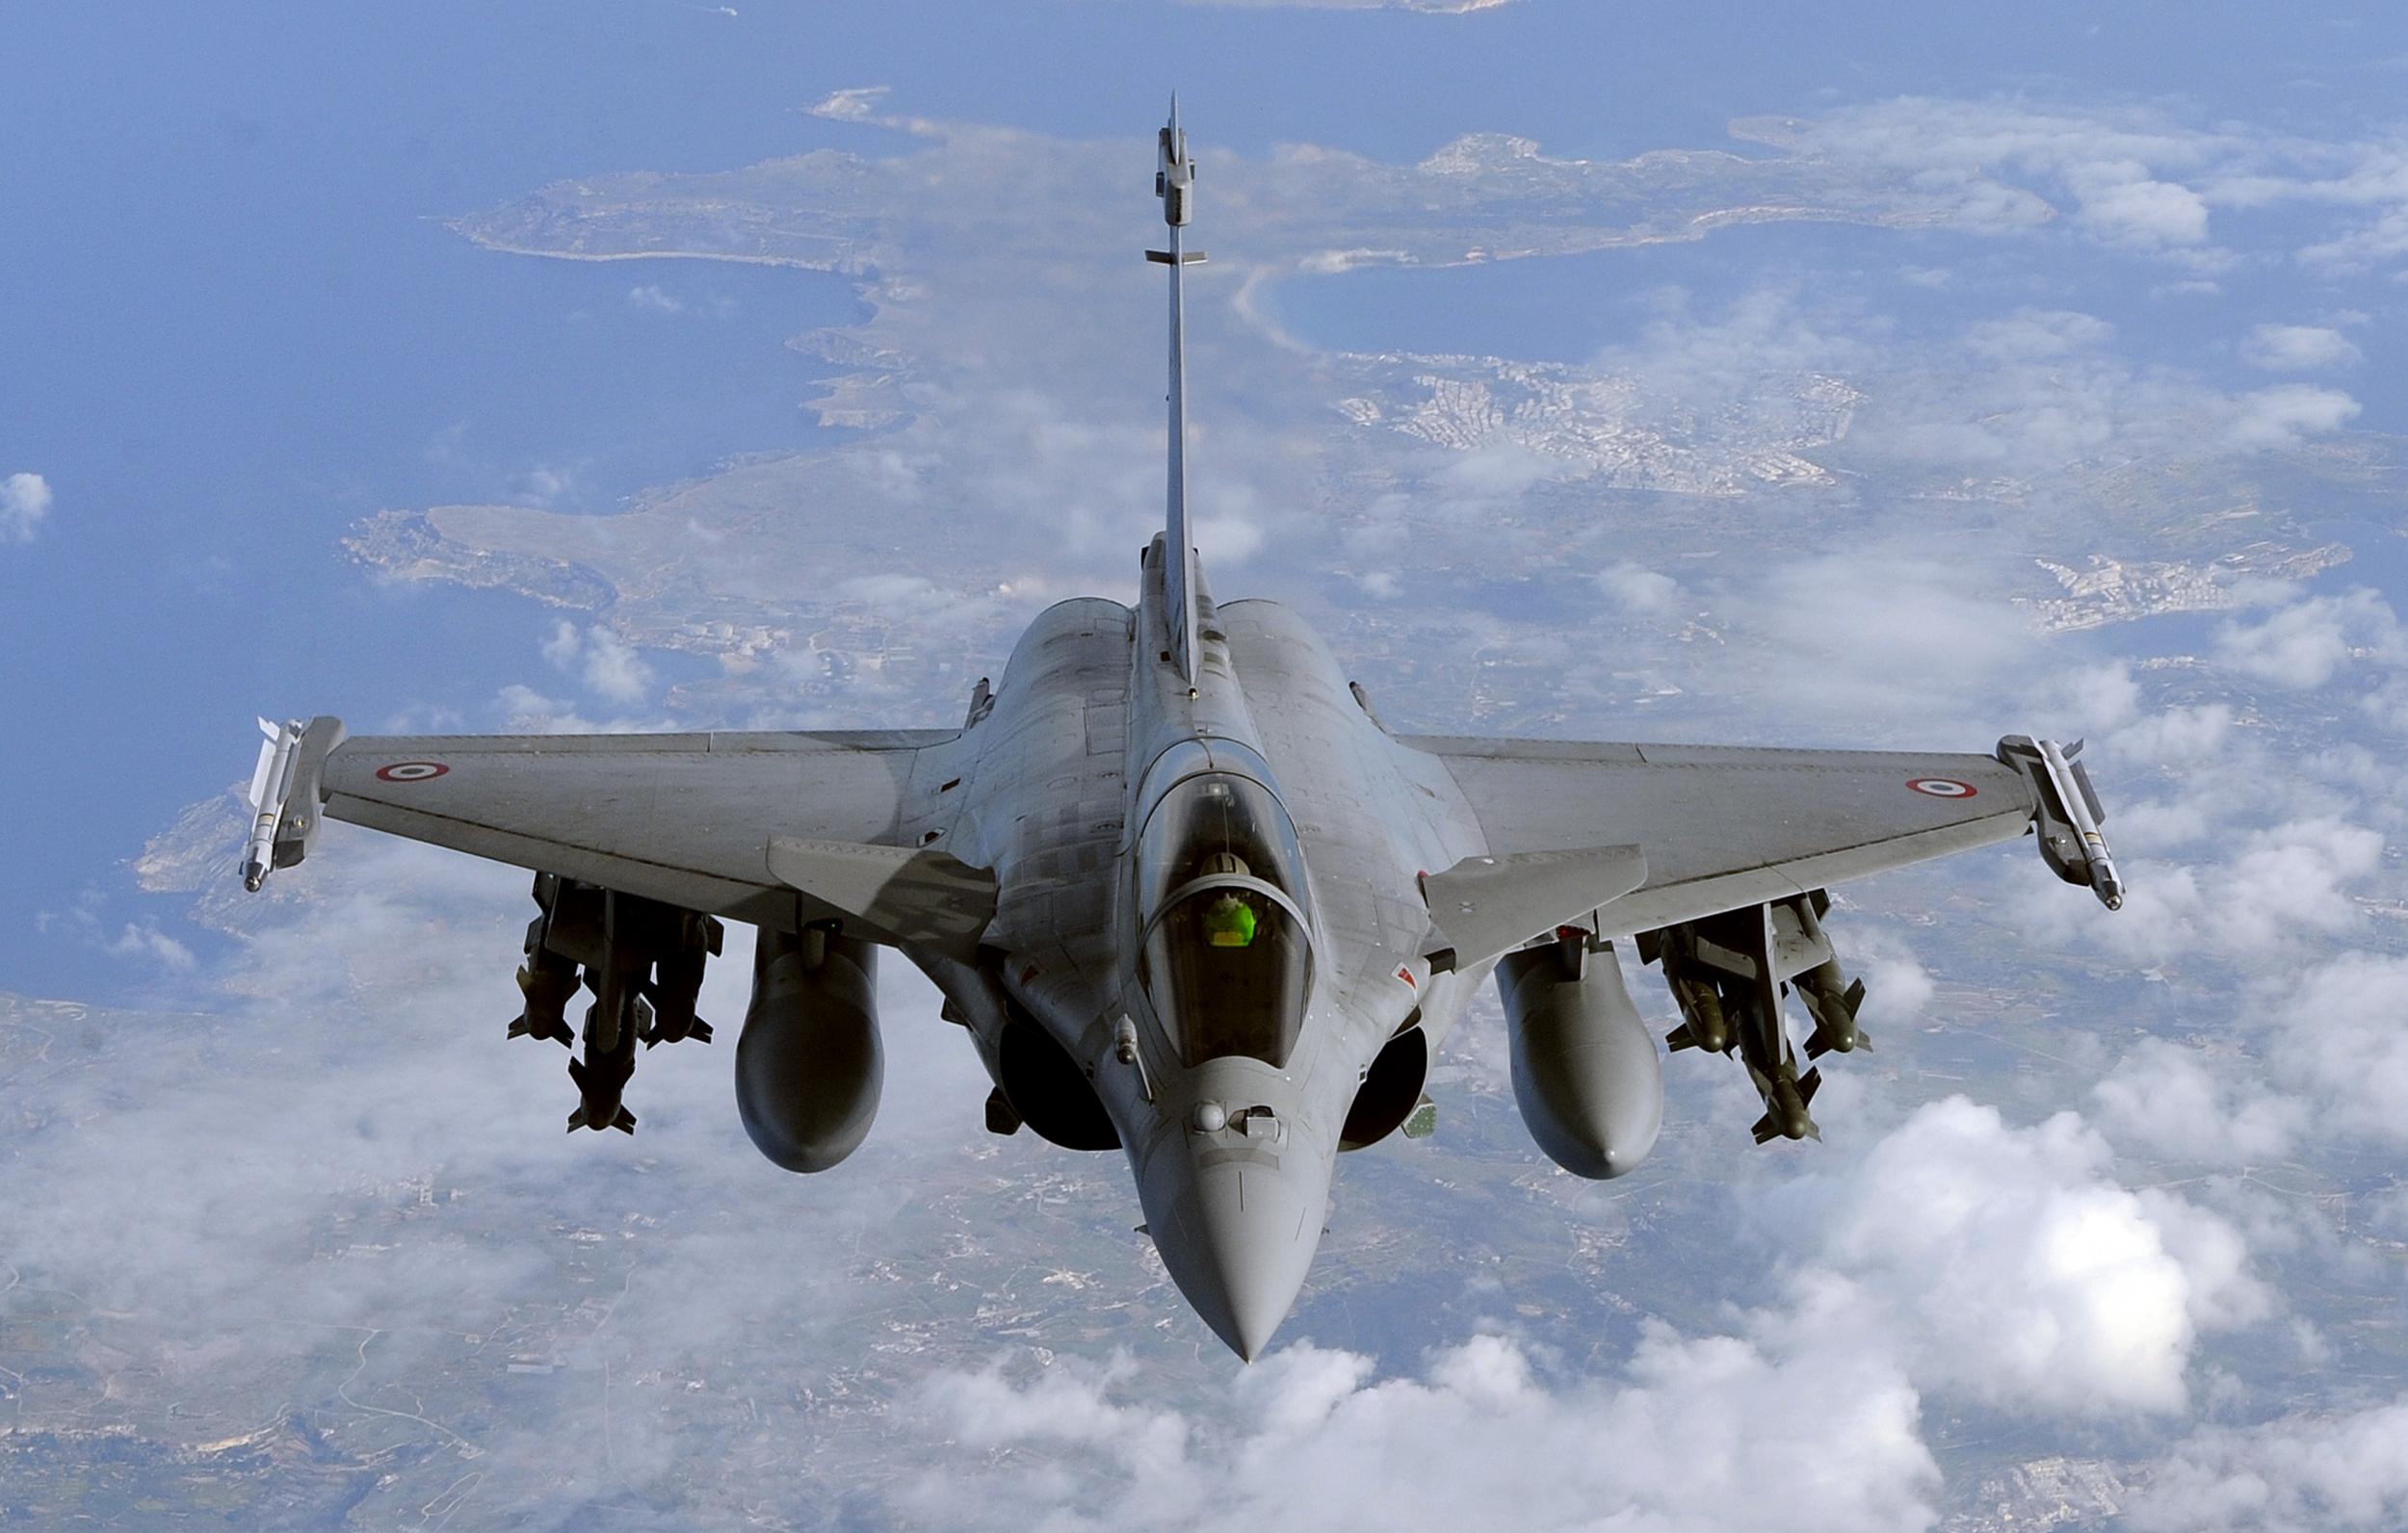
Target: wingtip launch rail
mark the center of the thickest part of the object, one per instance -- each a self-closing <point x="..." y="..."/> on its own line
<point x="291" y="757"/>
<point x="2068" y="816"/>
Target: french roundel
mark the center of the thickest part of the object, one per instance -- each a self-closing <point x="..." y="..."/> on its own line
<point x="412" y="772"/>
<point x="1941" y="787"/>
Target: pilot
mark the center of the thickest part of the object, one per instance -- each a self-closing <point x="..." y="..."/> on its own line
<point x="1229" y="920"/>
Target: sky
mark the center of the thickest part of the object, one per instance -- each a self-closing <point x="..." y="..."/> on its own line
<point x="2115" y="1212"/>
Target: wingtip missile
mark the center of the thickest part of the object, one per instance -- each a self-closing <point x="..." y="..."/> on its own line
<point x="1174" y="174"/>
<point x="269" y="788"/>
<point x="2067" y="814"/>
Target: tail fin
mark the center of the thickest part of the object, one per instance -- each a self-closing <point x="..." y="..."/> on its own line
<point x="1174" y="182"/>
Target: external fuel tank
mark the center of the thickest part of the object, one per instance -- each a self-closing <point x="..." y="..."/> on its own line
<point x="809" y="1066"/>
<point x="1585" y="1071"/>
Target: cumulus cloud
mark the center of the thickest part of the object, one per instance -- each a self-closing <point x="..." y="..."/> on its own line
<point x="2299" y="1471"/>
<point x="1690" y="1435"/>
<point x="2120" y="168"/>
<point x="1228" y="541"/>
<point x="565" y="645"/>
<point x="2050" y="390"/>
<point x="858" y="104"/>
<point x="330" y="1183"/>
<point x="2303" y="643"/>
<point x="2179" y="1102"/>
<point x="1638" y="590"/>
<point x="2130" y="206"/>
<point x="2285" y="416"/>
<point x="609" y="665"/>
<point x="2135" y="178"/>
<point x="1882" y="638"/>
<point x="655" y="299"/>
<point x="148" y="942"/>
<point x="1961" y="1257"/>
<point x="613" y="668"/>
<point x="1899" y="990"/>
<point x="2271" y="887"/>
<point x="544" y="484"/>
<point x="2005" y="1265"/>
<point x="2177" y="736"/>
<point x="24" y="503"/>
<point x="2340" y="1045"/>
<point x="1687" y="359"/>
<point x="2299" y="349"/>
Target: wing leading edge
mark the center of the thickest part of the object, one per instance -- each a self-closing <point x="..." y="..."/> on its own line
<point x="1722" y="827"/>
<point x="687" y="819"/>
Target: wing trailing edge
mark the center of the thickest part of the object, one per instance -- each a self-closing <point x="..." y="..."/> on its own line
<point x="1485" y="906"/>
<point x="914" y="896"/>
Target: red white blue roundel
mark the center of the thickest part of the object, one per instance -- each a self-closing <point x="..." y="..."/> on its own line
<point x="410" y="771"/>
<point x="1941" y="787"/>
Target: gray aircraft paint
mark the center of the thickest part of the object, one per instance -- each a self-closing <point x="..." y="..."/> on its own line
<point x="1004" y="860"/>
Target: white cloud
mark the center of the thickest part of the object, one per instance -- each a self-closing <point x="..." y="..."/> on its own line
<point x="24" y="503"/>
<point x="2136" y="208"/>
<point x="1692" y="1434"/>
<point x="2118" y="166"/>
<point x="1883" y="638"/>
<point x="565" y="645"/>
<point x="2005" y="1265"/>
<point x="543" y="484"/>
<point x="2177" y="736"/>
<point x="1227" y="541"/>
<point x="2299" y="349"/>
<point x="2285" y="416"/>
<point x="855" y="105"/>
<point x="1899" y="990"/>
<point x="657" y="300"/>
<point x="528" y="712"/>
<point x="2277" y="885"/>
<point x="149" y="941"/>
<point x="1638" y="590"/>
<point x="608" y="664"/>
<point x="2169" y="1100"/>
<point x="2030" y="335"/>
<point x="352" y="1049"/>
<point x="1961" y="1257"/>
<point x="2301" y="1472"/>
<point x="2340" y="1042"/>
<point x="2303" y="644"/>
<point x="613" y="668"/>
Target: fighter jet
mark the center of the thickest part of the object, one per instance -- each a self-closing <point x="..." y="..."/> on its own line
<point x="1188" y="897"/>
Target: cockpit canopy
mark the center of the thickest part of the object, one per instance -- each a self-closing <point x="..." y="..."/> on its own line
<point x="1227" y="956"/>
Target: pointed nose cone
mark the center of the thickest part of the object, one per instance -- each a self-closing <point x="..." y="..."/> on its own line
<point x="1238" y="1237"/>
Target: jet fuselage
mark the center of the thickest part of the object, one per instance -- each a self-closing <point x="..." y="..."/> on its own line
<point x="1093" y="744"/>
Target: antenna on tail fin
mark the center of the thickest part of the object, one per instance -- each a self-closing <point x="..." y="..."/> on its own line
<point x="1174" y="182"/>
